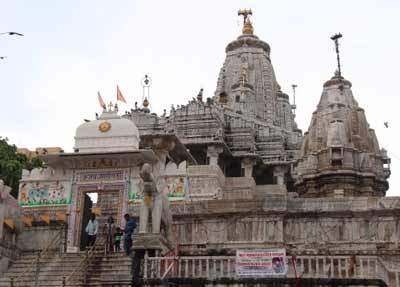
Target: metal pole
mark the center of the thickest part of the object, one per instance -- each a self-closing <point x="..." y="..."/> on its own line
<point x="336" y="38"/>
<point x="63" y="281"/>
<point x="12" y="282"/>
<point x="338" y="57"/>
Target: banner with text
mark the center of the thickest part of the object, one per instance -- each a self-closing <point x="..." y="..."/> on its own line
<point x="266" y="262"/>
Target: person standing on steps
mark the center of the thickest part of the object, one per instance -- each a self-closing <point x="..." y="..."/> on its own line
<point x="110" y="226"/>
<point x="91" y="229"/>
<point x="130" y="226"/>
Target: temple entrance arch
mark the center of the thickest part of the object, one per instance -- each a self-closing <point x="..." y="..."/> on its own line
<point x="109" y="203"/>
<point x="111" y="187"/>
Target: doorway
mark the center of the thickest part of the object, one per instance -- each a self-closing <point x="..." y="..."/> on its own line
<point x="86" y="212"/>
<point x="108" y="204"/>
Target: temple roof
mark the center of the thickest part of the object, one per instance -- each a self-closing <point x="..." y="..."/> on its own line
<point x="108" y="133"/>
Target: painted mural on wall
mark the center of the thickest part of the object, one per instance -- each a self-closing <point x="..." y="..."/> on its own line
<point x="176" y="188"/>
<point x="44" y="193"/>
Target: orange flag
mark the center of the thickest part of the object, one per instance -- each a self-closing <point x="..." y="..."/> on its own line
<point x="101" y="102"/>
<point x="120" y="97"/>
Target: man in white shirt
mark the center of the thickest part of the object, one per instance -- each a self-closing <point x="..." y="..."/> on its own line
<point x="91" y="229"/>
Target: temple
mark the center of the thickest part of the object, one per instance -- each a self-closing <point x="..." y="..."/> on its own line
<point x="227" y="190"/>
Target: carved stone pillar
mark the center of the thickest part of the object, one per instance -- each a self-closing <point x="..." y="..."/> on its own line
<point x="247" y="165"/>
<point x="213" y="152"/>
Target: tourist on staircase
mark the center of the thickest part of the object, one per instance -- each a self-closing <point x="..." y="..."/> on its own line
<point x="130" y="225"/>
<point x="91" y="229"/>
<point x="110" y="229"/>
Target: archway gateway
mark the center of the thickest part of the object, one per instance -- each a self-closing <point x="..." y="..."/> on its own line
<point x="108" y="204"/>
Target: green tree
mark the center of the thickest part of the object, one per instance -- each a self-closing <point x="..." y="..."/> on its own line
<point x="12" y="163"/>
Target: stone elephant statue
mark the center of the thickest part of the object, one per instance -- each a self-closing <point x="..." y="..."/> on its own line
<point x="156" y="203"/>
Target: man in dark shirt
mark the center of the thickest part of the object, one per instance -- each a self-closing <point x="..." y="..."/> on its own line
<point x="130" y="225"/>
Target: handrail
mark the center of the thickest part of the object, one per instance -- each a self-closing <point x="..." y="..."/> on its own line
<point x="307" y="267"/>
<point x="43" y="252"/>
<point x="88" y="255"/>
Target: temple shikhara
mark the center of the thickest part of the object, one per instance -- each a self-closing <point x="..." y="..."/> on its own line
<point x="226" y="191"/>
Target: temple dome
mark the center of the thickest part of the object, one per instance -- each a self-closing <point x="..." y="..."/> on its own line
<point x="109" y="133"/>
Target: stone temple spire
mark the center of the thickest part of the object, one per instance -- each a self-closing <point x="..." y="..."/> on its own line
<point x="340" y="153"/>
<point x="247" y="84"/>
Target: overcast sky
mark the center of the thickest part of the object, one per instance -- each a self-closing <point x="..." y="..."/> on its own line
<point x="72" y="49"/>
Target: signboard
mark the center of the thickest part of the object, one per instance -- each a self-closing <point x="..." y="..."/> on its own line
<point x="262" y="263"/>
<point x="101" y="176"/>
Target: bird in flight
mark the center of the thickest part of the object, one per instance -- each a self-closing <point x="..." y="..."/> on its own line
<point x="14" y="33"/>
<point x="2" y="57"/>
<point x="386" y="124"/>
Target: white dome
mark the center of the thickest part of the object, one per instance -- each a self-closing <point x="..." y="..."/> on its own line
<point x="110" y="133"/>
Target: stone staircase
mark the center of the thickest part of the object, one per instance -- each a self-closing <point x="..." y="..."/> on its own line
<point x="111" y="270"/>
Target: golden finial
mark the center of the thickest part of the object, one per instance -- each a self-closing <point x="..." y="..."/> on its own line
<point x="145" y="103"/>
<point x="247" y="26"/>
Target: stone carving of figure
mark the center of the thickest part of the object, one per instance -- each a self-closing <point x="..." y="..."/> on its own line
<point x="243" y="73"/>
<point x="200" y="95"/>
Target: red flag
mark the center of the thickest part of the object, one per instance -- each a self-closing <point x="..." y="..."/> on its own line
<point x="101" y="102"/>
<point x="120" y="97"/>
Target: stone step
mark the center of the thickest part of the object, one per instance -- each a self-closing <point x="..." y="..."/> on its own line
<point x="64" y="264"/>
<point x="111" y="270"/>
<point x="70" y="283"/>
<point x="73" y="260"/>
<point x="73" y="282"/>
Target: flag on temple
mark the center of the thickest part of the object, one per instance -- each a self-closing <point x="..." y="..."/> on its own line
<point x="120" y="97"/>
<point x="101" y="102"/>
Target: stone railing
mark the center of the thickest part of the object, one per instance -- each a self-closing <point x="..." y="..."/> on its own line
<point x="216" y="267"/>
